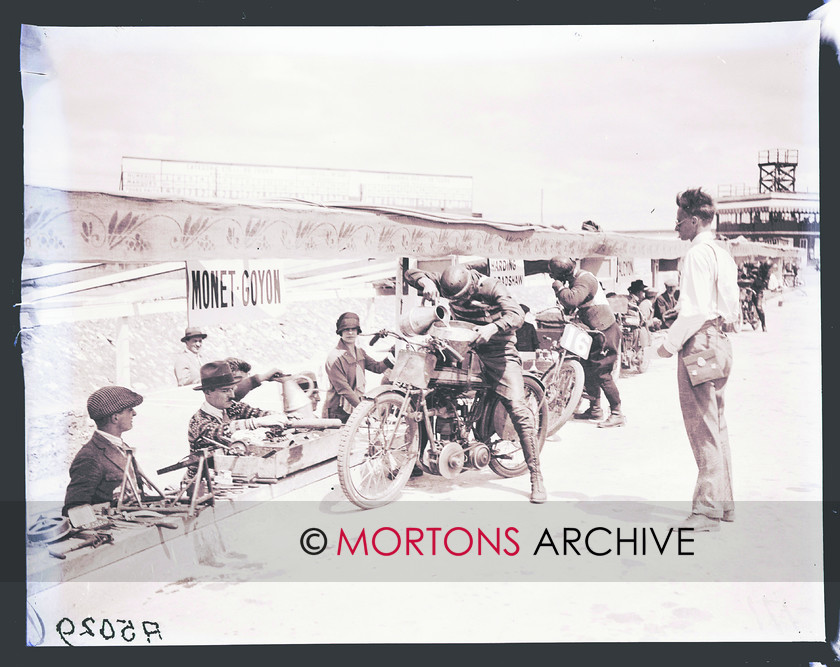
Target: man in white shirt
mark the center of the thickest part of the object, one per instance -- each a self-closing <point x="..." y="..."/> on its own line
<point x="708" y="297"/>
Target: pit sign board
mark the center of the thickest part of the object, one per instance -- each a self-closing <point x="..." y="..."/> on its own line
<point x="228" y="291"/>
<point x="510" y="272"/>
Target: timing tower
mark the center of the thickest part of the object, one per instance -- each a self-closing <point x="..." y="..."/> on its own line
<point x="777" y="170"/>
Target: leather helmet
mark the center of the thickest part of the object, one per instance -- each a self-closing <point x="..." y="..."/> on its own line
<point x="561" y="268"/>
<point x="456" y="283"/>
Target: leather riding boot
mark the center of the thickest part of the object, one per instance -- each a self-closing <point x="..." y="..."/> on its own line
<point x="523" y="423"/>
<point x="532" y="459"/>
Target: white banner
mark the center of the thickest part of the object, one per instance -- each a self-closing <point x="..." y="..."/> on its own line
<point x="508" y="271"/>
<point x="226" y="291"/>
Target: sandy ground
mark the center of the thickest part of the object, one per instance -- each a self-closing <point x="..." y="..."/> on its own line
<point x="773" y="411"/>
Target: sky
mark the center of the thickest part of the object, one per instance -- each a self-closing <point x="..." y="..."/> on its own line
<point x="555" y="124"/>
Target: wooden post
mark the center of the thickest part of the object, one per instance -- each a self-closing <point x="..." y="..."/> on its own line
<point x="123" y="352"/>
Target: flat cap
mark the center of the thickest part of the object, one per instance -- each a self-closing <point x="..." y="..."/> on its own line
<point x="110" y="400"/>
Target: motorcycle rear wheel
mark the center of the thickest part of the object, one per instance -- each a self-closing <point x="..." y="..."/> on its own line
<point x="642" y="360"/>
<point x="506" y="458"/>
<point x="377" y="450"/>
<point x="563" y="391"/>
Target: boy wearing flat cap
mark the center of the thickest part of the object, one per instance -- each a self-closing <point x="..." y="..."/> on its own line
<point x="97" y="469"/>
<point x="188" y="361"/>
<point x="220" y="415"/>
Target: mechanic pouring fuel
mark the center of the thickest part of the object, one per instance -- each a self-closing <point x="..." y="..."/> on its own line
<point x="486" y="303"/>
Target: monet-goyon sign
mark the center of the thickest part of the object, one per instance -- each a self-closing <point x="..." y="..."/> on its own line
<point x="226" y="291"/>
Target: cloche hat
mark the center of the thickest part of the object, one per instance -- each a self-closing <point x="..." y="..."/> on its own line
<point x="347" y="321"/>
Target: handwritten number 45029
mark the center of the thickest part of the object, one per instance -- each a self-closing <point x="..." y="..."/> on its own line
<point x="66" y="628"/>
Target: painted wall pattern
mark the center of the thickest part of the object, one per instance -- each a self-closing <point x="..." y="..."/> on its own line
<point x="88" y="226"/>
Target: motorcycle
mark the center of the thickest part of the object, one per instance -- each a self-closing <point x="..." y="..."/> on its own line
<point x="559" y="366"/>
<point x="748" y="313"/>
<point x="635" y="337"/>
<point x="437" y="412"/>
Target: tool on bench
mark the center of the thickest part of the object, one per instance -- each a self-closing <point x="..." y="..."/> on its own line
<point x="202" y="474"/>
<point x="93" y="541"/>
<point x="48" y="529"/>
<point x="147" y="518"/>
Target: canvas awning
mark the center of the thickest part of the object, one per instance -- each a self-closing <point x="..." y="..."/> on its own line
<point x="79" y="226"/>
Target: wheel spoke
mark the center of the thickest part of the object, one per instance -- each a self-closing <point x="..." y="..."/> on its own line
<point x="375" y="451"/>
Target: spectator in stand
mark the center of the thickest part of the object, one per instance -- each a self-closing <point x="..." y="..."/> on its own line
<point x="526" y="335"/>
<point x="189" y="361"/>
<point x="665" y="307"/>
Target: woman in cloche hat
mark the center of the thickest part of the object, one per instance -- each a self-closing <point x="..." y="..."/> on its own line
<point x="346" y="365"/>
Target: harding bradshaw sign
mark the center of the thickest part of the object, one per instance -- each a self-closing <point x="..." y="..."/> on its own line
<point x="226" y="291"/>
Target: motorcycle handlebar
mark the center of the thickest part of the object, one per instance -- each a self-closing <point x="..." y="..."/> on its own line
<point x="377" y="336"/>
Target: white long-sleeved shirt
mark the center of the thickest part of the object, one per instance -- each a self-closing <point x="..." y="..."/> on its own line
<point x="708" y="290"/>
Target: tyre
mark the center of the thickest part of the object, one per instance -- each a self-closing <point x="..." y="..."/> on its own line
<point x="506" y="458"/>
<point x="563" y="391"/>
<point x="642" y="360"/>
<point x="377" y="450"/>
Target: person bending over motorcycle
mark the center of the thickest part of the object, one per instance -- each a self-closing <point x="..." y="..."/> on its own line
<point x="486" y="303"/>
<point x="761" y="281"/>
<point x="581" y="289"/>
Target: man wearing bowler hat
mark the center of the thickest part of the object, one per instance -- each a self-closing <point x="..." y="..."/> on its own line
<point x="188" y="362"/>
<point x="637" y="290"/>
<point x="98" y="468"/>
<point x="220" y="416"/>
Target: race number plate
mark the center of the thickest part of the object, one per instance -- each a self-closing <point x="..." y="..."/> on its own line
<point x="576" y="341"/>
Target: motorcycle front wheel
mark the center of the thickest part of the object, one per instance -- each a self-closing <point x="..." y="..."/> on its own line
<point x="563" y="391"/>
<point x="506" y="458"/>
<point x="377" y="449"/>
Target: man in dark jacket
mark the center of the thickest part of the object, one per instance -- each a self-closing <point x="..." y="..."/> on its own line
<point x="578" y="289"/>
<point x="486" y="303"/>
<point x="761" y="280"/>
<point x="98" y="468"/>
